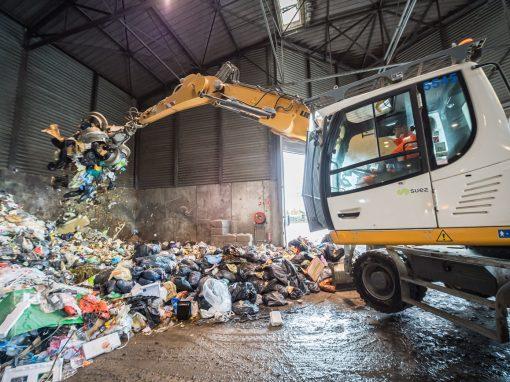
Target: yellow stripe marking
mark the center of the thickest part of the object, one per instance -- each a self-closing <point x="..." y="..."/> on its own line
<point x="483" y="236"/>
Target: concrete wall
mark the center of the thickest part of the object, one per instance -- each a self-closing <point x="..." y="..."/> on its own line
<point x="34" y="193"/>
<point x="184" y="213"/>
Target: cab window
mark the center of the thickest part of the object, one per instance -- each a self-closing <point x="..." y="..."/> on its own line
<point x="376" y="145"/>
<point x="449" y="117"/>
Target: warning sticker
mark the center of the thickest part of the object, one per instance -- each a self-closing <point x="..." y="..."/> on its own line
<point x="443" y="237"/>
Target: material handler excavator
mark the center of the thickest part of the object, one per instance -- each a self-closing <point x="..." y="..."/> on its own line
<point x="412" y="164"/>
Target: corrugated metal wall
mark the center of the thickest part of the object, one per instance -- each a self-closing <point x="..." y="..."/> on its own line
<point x="487" y="21"/>
<point x="246" y="153"/>
<point x="114" y="104"/>
<point x="58" y="90"/>
<point x="245" y="146"/>
<point x="156" y="154"/>
<point x="199" y="147"/>
<point x="294" y="69"/>
<point x="11" y="39"/>
<point x="317" y="70"/>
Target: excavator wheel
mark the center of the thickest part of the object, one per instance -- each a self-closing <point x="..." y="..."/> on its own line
<point x="376" y="279"/>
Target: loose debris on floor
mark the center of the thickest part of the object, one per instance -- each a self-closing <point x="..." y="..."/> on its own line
<point x="69" y="293"/>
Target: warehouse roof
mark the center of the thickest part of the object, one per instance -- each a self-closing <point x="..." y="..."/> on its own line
<point x="142" y="46"/>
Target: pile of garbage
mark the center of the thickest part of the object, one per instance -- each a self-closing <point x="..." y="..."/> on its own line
<point x="69" y="293"/>
<point x="92" y="158"/>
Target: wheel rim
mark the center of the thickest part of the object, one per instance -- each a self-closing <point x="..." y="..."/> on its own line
<point x="379" y="281"/>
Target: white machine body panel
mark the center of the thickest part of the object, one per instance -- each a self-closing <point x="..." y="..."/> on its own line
<point x="476" y="198"/>
<point x="407" y="203"/>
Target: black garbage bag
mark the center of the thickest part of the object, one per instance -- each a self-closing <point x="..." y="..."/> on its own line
<point x="290" y="268"/>
<point x="257" y="283"/>
<point x="312" y="287"/>
<point x="167" y="263"/>
<point x="102" y="277"/>
<point x="278" y="272"/>
<point x="136" y="272"/>
<point x="299" y="258"/>
<point x="275" y="286"/>
<point x="194" y="279"/>
<point x="183" y="270"/>
<point x="147" y="306"/>
<point x="295" y="294"/>
<point x="151" y="274"/>
<point x="225" y="274"/>
<point x="243" y="291"/>
<point x="123" y="286"/>
<point x="298" y="244"/>
<point x="332" y="253"/>
<point x="182" y="284"/>
<point x="274" y="299"/>
<point x="154" y="248"/>
<point x="245" y="308"/>
<point x="303" y="287"/>
<point x="110" y="286"/>
<point x="143" y="281"/>
<point x="190" y="264"/>
<point x="141" y="250"/>
<point x="203" y="304"/>
<point x="253" y="256"/>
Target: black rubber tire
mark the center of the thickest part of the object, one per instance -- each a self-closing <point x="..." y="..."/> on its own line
<point x="393" y="304"/>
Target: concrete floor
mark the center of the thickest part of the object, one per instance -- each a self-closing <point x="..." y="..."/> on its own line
<point x="327" y="338"/>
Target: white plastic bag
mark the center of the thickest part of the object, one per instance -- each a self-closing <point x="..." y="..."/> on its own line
<point x="217" y="295"/>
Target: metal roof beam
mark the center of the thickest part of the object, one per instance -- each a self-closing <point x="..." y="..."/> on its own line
<point x="397" y="35"/>
<point x="365" y="49"/>
<point x="413" y="19"/>
<point x="89" y="8"/>
<point x="64" y="4"/>
<point x="229" y="31"/>
<point x="355" y="41"/>
<point x="209" y="36"/>
<point x="340" y="16"/>
<point x="417" y="26"/>
<point x="369" y="41"/>
<point x="122" y="49"/>
<point x="341" y="32"/>
<point x="149" y="49"/>
<point x="116" y="15"/>
<point x="174" y="35"/>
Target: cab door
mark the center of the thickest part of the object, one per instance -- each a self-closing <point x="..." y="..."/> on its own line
<point x="375" y="172"/>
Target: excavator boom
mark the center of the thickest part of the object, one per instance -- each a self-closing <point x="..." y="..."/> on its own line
<point x="283" y="114"/>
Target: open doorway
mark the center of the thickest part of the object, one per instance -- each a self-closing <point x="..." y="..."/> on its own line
<point x="294" y="208"/>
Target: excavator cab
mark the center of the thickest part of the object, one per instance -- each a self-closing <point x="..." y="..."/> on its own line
<point x="415" y="155"/>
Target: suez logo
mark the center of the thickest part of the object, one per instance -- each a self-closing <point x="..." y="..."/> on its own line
<point x="409" y="191"/>
<point x="441" y="81"/>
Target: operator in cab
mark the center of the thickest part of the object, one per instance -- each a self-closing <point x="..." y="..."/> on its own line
<point x="405" y="140"/>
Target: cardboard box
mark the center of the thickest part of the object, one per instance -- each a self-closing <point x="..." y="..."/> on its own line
<point x="315" y="268"/>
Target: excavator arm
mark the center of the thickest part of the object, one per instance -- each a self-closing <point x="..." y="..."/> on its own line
<point x="98" y="152"/>
<point x="283" y="114"/>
